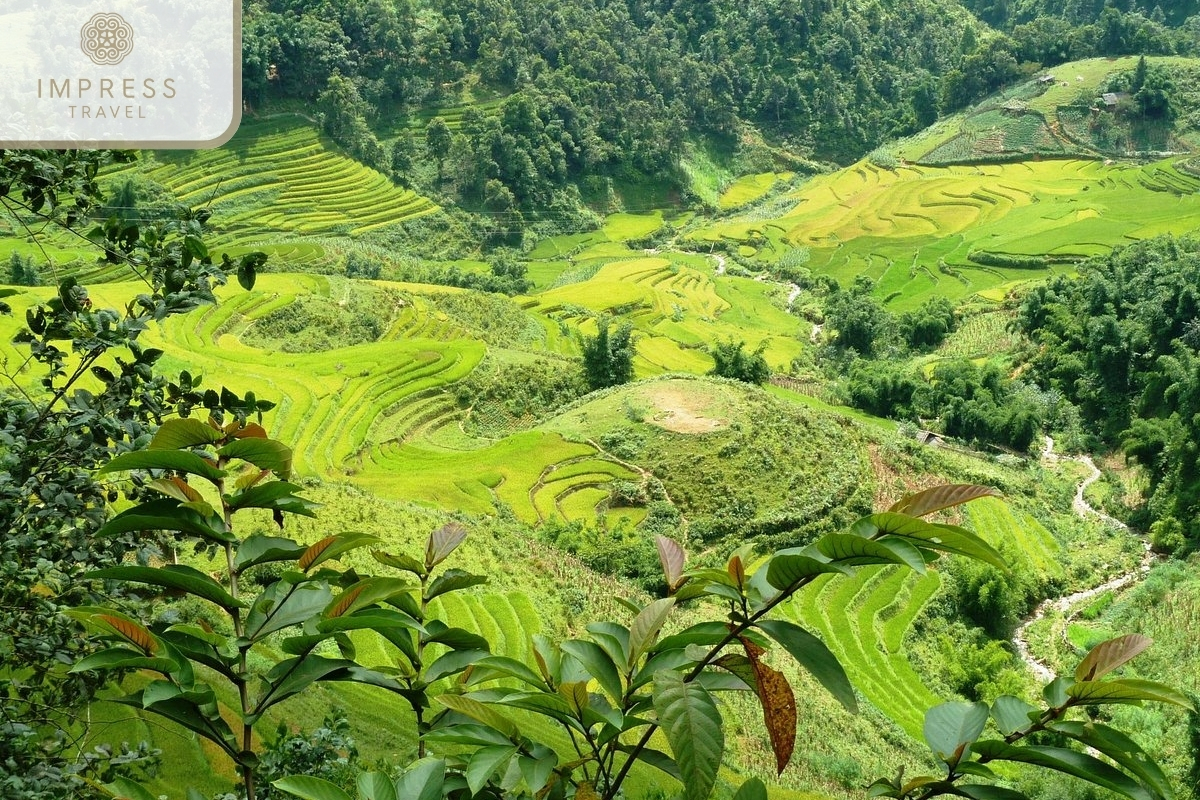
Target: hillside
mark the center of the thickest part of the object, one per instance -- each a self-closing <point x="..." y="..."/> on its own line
<point x="422" y="374"/>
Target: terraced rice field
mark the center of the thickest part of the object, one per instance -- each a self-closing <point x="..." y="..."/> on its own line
<point x="1019" y="536"/>
<point x="678" y="308"/>
<point x="279" y="176"/>
<point x="913" y="229"/>
<point x="864" y="618"/>
<point x="383" y="414"/>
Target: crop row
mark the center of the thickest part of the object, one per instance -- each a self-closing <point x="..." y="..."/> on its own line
<point x="863" y="620"/>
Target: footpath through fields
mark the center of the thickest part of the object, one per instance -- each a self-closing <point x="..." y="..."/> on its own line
<point x="1064" y="604"/>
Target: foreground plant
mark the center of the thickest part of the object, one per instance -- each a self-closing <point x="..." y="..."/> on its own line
<point x="611" y="691"/>
<point x="953" y="732"/>
<point x="308" y="611"/>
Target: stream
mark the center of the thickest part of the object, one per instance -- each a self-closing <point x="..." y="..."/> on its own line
<point x="1084" y="509"/>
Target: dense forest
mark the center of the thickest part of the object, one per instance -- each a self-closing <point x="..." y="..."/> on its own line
<point x="1121" y="343"/>
<point x="618" y="89"/>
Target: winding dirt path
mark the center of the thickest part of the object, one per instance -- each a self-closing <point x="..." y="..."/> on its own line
<point x="1064" y="604"/>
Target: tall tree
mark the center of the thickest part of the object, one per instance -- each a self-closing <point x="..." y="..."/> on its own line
<point x="438" y="140"/>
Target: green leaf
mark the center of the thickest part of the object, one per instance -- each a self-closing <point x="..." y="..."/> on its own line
<point x="173" y="576"/>
<point x="940" y="497"/>
<point x="452" y="663"/>
<point x="307" y="787"/>
<point x="945" y="538"/>
<point x="122" y="658"/>
<point x="202" y="718"/>
<point x="692" y="724"/>
<point x="383" y="621"/>
<point x="484" y="762"/>
<point x="283" y="604"/>
<point x="400" y="561"/>
<point x="1069" y="762"/>
<point x="752" y="789"/>
<point x="479" y="712"/>
<point x="279" y="495"/>
<point x="367" y="592"/>
<point x="1121" y="749"/>
<point x="702" y="633"/>
<point x="262" y="453"/>
<point x="468" y="733"/>
<point x="174" y="460"/>
<point x="293" y="675"/>
<point x="951" y="728"/>
<point x="375" y="786"/>
<point x="451" y="581"/>
<point x="1055" y="692"/>
<point x="492" y="666"/>
<point x="183" y="433"/>
<point x="646" y="626"/>
<point x="657" y="759"/>
<point x="1107" y="656"/>
<point x="247" y="269"/>
<point x="167" y="514"/>
<point x="791" y="565"/>
<point x="856" y="551"/>
<point x="1011" y="714"/>
<point x="812" y="654"/>
<point x="455" y="638"/>
<point x="597" y="663"/>
<point x="260" y="549"/>
<point x="125" y="789"/>
<point x="536" y="771"/>
<point x="983" y="791"/>
<point x="1126" y="690"/>
<point x="424" y="780"/>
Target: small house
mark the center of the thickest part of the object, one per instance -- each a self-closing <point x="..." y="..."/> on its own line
<point x="1110" y="100"/>
<point x="1046" y="80"/>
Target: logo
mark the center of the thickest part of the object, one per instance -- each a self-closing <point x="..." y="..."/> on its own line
<point x="106" y="39"/>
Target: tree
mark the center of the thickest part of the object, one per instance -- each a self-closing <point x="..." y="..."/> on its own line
<point x="608" y="357"/>
<point x="21" y="271"/>
<point x="437" y="142"/>
<point x="404" y="153"/>
<point x="57" y="431"/>
<point x="732" y="361"/>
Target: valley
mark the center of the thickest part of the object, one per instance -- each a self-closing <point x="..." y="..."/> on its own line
<point x="425" y="356"/>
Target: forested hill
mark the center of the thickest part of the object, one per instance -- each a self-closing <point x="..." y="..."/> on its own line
<point x="619" y="88"/>
<point x="1005" y="13"/>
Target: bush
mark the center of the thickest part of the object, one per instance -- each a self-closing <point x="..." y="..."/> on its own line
<point x="732" y="361"/>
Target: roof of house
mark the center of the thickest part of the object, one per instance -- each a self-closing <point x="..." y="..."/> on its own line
<point x="1110" y="98"/>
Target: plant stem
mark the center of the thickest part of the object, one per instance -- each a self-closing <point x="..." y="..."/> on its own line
<point x="736" y="631"/>
<point x="238" y="629"/>
<point x="418" y="709"/>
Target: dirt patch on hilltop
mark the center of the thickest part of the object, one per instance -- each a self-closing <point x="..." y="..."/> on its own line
<point x="683" y="408"/>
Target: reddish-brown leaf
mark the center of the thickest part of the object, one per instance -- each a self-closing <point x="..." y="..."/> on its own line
<point x="251" y="431"/>
<point x="178" y="488"/>
<point x="672" y="556"/>
<point x="939" y="497"/>
<point x="344" y="600"/>
<point x="737" y="570"/>
<point x="1107" y="656"/>
<point x="314" y="551"/>
<point x="443" y="542"/>
<point x="130" y="631"/>
<point x="778" y="705"/>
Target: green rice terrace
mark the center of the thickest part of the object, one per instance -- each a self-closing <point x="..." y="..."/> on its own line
<point x="408" y="404"/>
